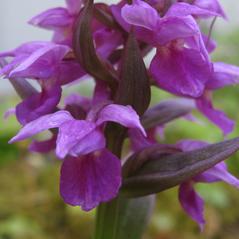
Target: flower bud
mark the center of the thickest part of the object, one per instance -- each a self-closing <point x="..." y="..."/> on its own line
<point x="134" y="86"/>
<point x="84" y="49"/>
<point x="166" y="111"/>
<point x="158" y="168"/>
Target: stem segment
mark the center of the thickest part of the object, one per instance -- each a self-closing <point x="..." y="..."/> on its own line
<point x="122" y="217"/>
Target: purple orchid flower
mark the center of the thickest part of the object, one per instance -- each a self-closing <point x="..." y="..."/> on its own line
<point x="191" y="202"/>
<point x="181" y="64"/>
<point x="74" y="137"/>
<point x="42" y="60"/>
<point x="77" y="106"/>
<point x="62" y="20"/>
<point x="90" y="174"/>
<point x="178" y="69"/>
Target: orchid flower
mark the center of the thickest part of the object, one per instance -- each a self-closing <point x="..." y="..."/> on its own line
<point x="81" y="144"/>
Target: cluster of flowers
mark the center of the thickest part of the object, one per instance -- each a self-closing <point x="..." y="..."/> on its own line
<point x="91" y="171"/>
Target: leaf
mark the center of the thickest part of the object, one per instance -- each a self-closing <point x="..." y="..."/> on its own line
<point x="134" y="86"/>
<point x="84" y="49"/>
<point x="160" y="171"/>
<point x="166" y="111"/>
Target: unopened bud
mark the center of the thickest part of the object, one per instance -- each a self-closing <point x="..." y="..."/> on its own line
<point x="160" y="168"/>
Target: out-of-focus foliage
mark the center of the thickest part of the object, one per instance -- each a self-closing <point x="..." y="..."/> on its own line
<point x="31" y="208"/>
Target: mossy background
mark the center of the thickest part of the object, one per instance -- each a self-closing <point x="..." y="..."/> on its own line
<point x="30" y="205"/>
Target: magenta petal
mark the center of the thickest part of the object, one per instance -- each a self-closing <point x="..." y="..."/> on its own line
<point x="212" y="5"/>
<point x="38" y="105"/>
<point x="189" y="145"/>
<point x="172" y="28"/>
<point x="124" y="115"/>
<point x="52" y="19"/>
<point x="95" y="140"/>
<point x="43" y="146"/>
<point x="183" y="9"/>
<point x="63" y="36"/>
<point x="74" y="6"/>
<point x="41" y="63"/>
<point x="9" y="112"/>
<point x="101" y="93"/>
<point x="6" y="70"/>
<point x="69" y="71"/>
<point x="182" y="72"/>
<point x="116" y="12"/>
<point x="25" y="49"/>
<point x="107" y="41"/>
<point x="78" y="100"/>
<point x="70" y="134"/>
<point x="224" y="74"/>
<point x="217" y="117"/>
<point x="218" y="173"/>
<point x="138" y="141"/>
<point x="89" y="180"/>
<point x="43" y="123"/>
<point x="140" y="14"/>
<point x="192" y="203"/>
<point x="144" y="34"/>
<point x="20" y="54"/>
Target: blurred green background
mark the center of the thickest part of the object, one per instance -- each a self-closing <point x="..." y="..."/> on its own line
<point x="30" y="205"/>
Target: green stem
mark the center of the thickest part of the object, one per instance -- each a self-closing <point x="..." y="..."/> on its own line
<point x="121" y="218"/>
<point x="106" y="220"/>
<point x="107" y="213"/>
